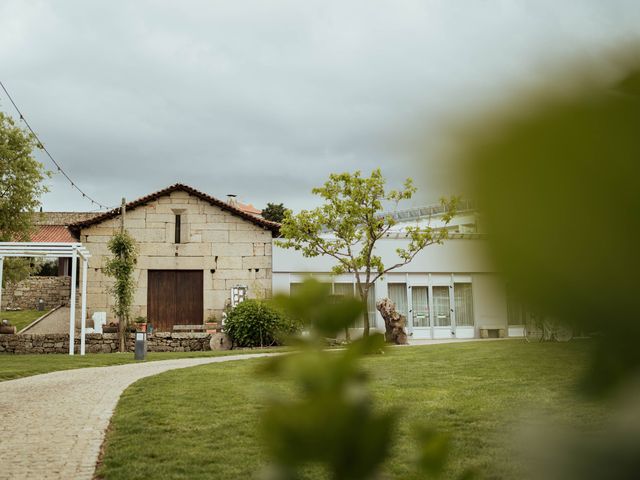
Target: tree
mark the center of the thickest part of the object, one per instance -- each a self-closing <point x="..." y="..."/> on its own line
<point x="351" y="222"/>
<point x="274" y="212"/>
<point x="121" y="267"/>
<point x="21" y="186"/>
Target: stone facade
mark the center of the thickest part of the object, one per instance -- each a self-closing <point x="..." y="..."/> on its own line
<point x="25" y="295"/>
<point x="229" y="249"/>
<point x="103" y="343"/>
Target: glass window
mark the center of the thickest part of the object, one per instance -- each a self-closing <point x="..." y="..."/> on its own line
<point x="516" y="312"/>
<point x="398" y="295"/>
<point x="343" y="289"/>
<point x="441" y="307"/>
<point x="464" y="304"/>
<point x="294" y="288"/>
<point x="347" y="290"/>
<point x="420" y="305"/>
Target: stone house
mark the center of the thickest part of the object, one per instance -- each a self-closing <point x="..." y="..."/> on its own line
<point x="194" y="250"/>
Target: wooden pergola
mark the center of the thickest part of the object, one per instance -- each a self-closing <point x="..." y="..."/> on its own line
<point x="74" y="251"/>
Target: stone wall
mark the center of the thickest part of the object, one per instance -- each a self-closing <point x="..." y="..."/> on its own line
<point x="25" y="295"/>
<point x="230" y="251"/>
<point x="103" y="343"/>
<point x="61" y="218"/>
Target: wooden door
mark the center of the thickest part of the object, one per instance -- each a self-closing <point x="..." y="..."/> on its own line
<point x="174" y="297"/>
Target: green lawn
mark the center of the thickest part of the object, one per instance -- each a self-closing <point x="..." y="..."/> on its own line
<point x="202" y="422"/>
<point x="21" y="318"/>
<point x="16" y="366"/>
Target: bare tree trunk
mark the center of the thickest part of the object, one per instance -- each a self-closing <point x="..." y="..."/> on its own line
<point x="123" y="333"/>
<point x="364" y="296"/>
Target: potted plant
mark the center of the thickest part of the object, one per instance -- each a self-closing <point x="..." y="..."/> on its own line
<point x="7" y="328"/>
<point x="141" y="324"/>
<point x="111" y="328"/>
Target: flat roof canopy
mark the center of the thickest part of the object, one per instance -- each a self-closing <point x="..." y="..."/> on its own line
<point x="38" y="249"/>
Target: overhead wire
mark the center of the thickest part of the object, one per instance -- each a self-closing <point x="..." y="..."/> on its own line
<point x="45" y="150"/>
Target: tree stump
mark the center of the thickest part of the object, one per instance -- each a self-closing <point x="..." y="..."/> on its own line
<point x="394" y="322"/>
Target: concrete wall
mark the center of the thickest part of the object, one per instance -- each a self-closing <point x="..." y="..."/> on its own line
<point x="55" y="291"/>
<point x="455" y="255"/>
<point x="229" y="249"/>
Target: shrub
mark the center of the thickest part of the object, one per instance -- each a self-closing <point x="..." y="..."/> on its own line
<point x="257" y="324"/>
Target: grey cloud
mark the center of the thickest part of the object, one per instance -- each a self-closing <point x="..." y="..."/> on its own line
<point x="265" y="99"/>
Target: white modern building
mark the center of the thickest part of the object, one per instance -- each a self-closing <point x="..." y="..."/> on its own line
<point x="447" y="291"/>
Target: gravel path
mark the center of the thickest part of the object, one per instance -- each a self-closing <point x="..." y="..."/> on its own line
<point x="52" y="425"/>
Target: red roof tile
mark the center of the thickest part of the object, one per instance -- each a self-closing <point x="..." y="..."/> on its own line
<point x="249" y="208"/>
<point x="53" y="233"/>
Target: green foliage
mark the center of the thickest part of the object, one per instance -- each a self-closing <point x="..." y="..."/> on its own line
<point x="46" y="268"/>
<point x="334" y="421"/>
<point x="319" y="312"/>
<point x="559" y="188"/>
<point x="21" y="178"/>
<point x="120" y="267"/>
<point x="274" y="212"/>
<point x="16" y="269"/>
<point x="255" y="323"/>
<point x="350" y="222"/>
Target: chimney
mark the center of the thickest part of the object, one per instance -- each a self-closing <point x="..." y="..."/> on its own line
<point x="232" y="200"/>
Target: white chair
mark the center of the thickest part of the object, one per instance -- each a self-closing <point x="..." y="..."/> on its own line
<point x="99" y="320"/>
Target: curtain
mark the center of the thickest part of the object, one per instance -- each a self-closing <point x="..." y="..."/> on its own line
<point x="464" y="304"/>
<point x="420" y="300"/>
<point x="398" y="295"/>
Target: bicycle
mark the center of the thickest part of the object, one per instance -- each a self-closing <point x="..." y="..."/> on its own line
<point x="546" y="330"/>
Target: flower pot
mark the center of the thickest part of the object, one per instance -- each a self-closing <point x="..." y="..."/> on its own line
<point x="142" y="327"/>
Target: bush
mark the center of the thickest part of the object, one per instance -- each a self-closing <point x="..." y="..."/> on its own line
<point x="257" y="324"/>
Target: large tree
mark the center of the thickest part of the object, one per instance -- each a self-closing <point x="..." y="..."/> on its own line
<point x="274" y="212"/>
<point x="350" y="223"/>
<point x="21" y="185"/>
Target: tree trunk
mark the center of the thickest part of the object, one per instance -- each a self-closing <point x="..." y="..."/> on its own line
<point x="123" y="334"/>
<point x="364" y="297"/>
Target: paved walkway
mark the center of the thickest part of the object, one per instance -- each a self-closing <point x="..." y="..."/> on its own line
<point x="52" y="425"/>
<point x="56" y="322"/>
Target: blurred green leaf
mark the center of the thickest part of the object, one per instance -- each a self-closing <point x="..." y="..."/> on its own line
<point x="559" y="185"/>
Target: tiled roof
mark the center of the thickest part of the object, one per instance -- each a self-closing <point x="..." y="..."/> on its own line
<point x="273" y="226"/>
<point x="53" y="233"/>
<point x="61" y="218"/>
<point x="249" y="208"/>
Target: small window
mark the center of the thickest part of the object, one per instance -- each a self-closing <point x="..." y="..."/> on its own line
<point x="178" y="228"/>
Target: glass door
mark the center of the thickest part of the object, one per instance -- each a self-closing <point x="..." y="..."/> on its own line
<point x="441" y="312"/>
<point x="420" y="321"/>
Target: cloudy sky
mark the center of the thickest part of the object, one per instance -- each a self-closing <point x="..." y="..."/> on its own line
<point x="265" y="98"/>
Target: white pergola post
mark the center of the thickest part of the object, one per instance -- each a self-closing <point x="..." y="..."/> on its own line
<point x="83" y="321"/>
<point x="72" y="314"/>
<point x="1" y="273"/>
<point x="56" y="250"/>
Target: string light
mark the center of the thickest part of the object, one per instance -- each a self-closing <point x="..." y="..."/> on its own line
<point x="43" y="148"/>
